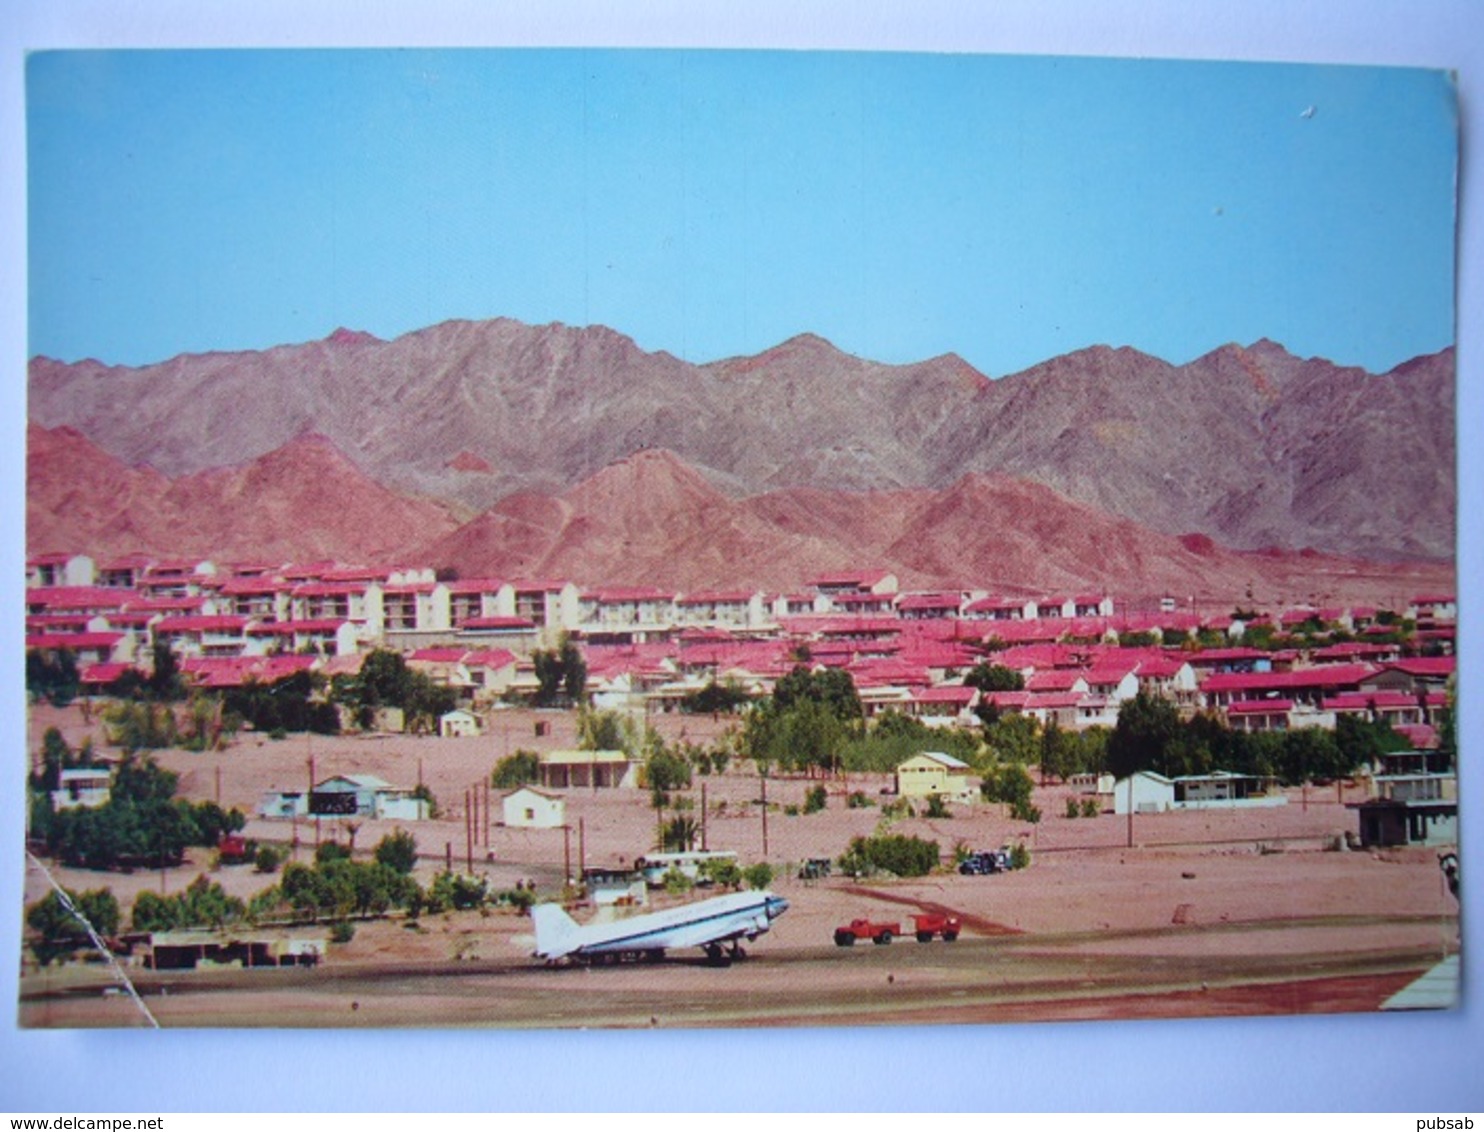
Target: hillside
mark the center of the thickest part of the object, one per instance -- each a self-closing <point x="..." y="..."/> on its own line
<point x="1248" y="445"/>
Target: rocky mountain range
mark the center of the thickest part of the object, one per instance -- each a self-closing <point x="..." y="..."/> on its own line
<point x="496" y="446"/>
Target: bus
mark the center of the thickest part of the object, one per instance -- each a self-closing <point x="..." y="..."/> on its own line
<point x="655" y="866"/>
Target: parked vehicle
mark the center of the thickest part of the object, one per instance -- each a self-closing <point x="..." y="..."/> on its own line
<point x="984" y="863"/>
<point x="929" y="924"/>
<point x="866" y="929"/>
<point x="815" y="868"/>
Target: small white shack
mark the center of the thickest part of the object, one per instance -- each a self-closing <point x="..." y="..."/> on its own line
<point x="458" y="724"/>
<point x="1144" y="793"/>
<point x="82" y="788"/>
<point x="530" y="808"/>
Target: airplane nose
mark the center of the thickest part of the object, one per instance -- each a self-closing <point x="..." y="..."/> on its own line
<point x="777" y="905"/>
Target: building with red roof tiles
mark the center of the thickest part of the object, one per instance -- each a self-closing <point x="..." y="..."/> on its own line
<point x="52" y="570"/>
<point x="1000" y="609"/>
<point x="124" y="571"/>
<point x="202" y="635"/>
<point x="86" y="600"/>
<point x="859" y="581"/>
<point x="739" y="609"/>
<point x="1305" y="685"/>
<point x="631" y="614"/>
<point x="947" y="705"/>
<point x="99" y="677"/>
<point x="929" y="606"/>
<point x="88" y="648"/>
<point x="326" y="637"/>
<point x="1260" y="715"/>
<point x="474" y="599"/>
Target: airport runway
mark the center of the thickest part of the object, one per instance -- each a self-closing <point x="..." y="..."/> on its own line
<point x="1250" y="968"/>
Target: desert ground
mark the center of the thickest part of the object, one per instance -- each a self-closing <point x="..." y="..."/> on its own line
<point x="1183" y="914"/>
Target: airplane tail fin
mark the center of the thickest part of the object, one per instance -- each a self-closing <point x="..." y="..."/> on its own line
<point x="554" y="931"/>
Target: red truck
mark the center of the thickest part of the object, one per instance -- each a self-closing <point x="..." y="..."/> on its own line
<point x="929" y="924"/>
<point x="866" y="929"/>
<point x="926" y="925"/>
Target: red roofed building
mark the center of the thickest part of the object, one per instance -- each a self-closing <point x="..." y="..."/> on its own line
<point x="855" y="581"/>
<point x="261" y="598"/>
<point x="1259" y="715"/>
<point x="929" y="607"/>
<point x="201" y="635"/>
<point x="1000" y="609"/>
<point x="945" y="706"/>
<point x="476" y="599"/>
<point x="53" y="570"/>
<point x="1305" y="685"/>
<point x="87" y="648"/>
<point x="731" y="608"/>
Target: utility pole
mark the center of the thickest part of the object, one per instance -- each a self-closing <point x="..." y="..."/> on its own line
<point x="703" y="817"/>
<point x="765" y="815"/>
<point x="1130" y="810"/>
<point x="567" y="852"/>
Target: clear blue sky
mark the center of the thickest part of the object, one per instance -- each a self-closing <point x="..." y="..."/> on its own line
<point x="714" y="203"/>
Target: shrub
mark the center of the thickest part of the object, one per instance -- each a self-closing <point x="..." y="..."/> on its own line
<point x="677" y="883"/>
<point x="397" y="851"/>
<point x="516" y="770"/>
<point x="1020" y="856"/>
<point x="936" y="807"/>
<point x="816" y="799"/>
<point x="722" y="872"/>
<point x="342" y="931"/>
<point x="858" y="800"/>
<point x="893" y="853"/>
<point x="758" y="876"/>
<point x="267" y="859"/>
<point x="1090" y="808"/>
<point x="1074" y="810"/>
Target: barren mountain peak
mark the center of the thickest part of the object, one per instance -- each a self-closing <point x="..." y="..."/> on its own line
<point x="341" y="336"/>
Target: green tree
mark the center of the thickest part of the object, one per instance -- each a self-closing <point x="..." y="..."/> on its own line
<point x="165" y="683"/>
<point x="60" y="922"/>
<point x="722" y="872"/>
<point x="715" y="699"/>
<point x="397" y="851"/>
<point x="1009" y="783"/>
<point x="599" y="730"/>
<point x="1146" y="736"/>
<point x="516" y="770"/>
<point x="994" y="678"/>
<point x="758" y="876"/>
<point x="893" y="853"/>
<point x="51" y="675"/>
<point x="831" y="688"/>
<point x="680" y="834"/>
<point x="427" y="701"/>
<point x="561" y="674"/>
<point x="384" y="680"/>
<point x="1014" y="738"/>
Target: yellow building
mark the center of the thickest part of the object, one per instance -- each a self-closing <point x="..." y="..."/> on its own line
<point x="933" y="772"/>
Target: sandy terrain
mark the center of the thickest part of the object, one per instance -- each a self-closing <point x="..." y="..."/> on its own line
<point x="1209" y="912"/>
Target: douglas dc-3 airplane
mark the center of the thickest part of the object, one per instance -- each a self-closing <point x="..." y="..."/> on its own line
<point x="709" y="925"/>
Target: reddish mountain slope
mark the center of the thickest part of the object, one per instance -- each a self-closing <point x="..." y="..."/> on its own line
<point x="651" y="519"/>
<point x="1248" y="444"/>
<point x="304" y="500"/>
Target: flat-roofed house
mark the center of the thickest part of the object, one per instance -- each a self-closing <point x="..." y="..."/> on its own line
<point x="595" y="769"/>
<point x="82" y="788"/>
